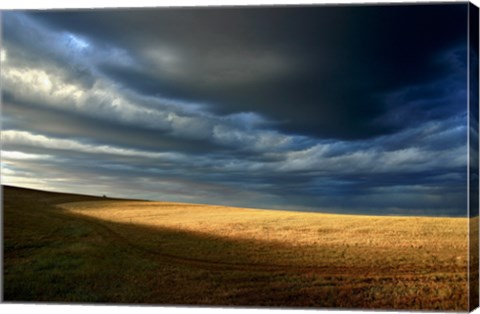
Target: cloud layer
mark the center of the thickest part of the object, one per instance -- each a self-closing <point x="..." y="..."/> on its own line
<point x="345" y="109"/>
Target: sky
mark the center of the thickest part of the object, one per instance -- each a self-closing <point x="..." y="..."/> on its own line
<point x="347" y="109"/>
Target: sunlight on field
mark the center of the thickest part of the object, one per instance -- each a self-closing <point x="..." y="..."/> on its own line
<point x="393" y="244"/>
<point x="73" y="248"/>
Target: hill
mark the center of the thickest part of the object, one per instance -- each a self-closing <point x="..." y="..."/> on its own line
<point x="73" y="248"/>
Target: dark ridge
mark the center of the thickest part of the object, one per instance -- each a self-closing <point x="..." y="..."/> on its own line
<point x="57" y="197"/>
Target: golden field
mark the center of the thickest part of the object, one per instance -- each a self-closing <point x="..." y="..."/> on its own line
<point x="71" y="248"/>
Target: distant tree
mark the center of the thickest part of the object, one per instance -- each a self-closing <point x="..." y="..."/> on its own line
<point x="104" y="196"/>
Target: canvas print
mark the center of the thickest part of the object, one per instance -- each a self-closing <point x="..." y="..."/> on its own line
<point x="304" y="156"/>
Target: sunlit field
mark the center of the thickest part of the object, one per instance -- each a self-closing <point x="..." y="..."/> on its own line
<point x="70" y="248"/>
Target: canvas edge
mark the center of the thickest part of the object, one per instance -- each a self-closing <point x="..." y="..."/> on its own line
<point x="473" y="161"/>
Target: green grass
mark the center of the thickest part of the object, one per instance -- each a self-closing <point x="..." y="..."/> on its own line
<point x="71" y="248"/>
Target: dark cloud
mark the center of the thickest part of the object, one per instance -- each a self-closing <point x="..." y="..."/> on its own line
<point x="65" y="124"/>
<point x="352" y="109"/>
<point x="34" y="46"/>
<point x="319" y="71"/>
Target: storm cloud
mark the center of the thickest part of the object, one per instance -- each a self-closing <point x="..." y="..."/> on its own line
<point x="352" y="109"/>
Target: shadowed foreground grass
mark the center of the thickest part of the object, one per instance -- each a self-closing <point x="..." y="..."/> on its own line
<point x="71" y="248"/>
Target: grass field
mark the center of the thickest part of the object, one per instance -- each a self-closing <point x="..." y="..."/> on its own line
<point x="71" y="248"/>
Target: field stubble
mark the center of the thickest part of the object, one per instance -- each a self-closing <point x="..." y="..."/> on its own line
<point x="93" y="250"/>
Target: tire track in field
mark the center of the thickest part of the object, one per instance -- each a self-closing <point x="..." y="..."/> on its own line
<point x="202" y="263"/>
<point x="163" y="257"/>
